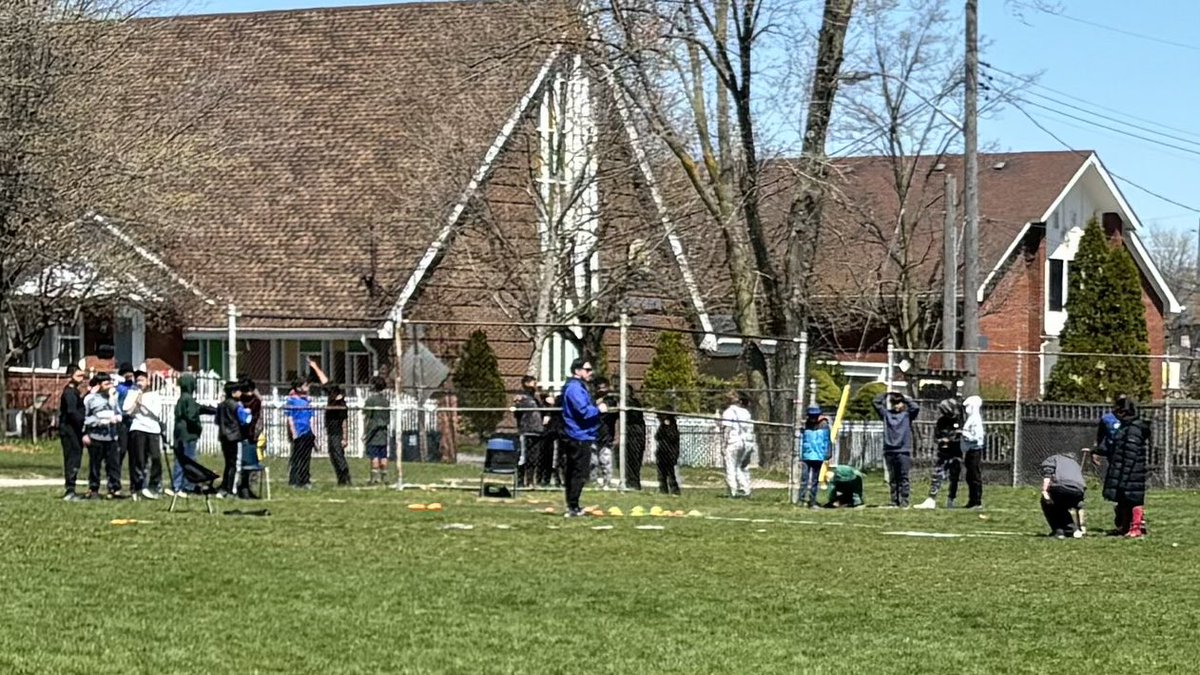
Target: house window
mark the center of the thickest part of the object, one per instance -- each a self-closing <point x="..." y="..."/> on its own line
<point x="557" y="355"/>
<point x="1057" y="285"/>
<point x="309" y="349"/>
<point x="202" y="356"/>
<point x="191" y="356"/>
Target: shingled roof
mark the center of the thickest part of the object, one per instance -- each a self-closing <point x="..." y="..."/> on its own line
<point x="346" y="136"/>
<point x="1015" y="188"/>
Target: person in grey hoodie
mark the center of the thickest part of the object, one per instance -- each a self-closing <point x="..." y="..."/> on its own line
<point x="897" y="412"/>
<point x="102" y="417"/>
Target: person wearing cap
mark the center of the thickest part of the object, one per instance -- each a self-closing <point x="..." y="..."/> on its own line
<point x="737" y="444"/>
<point x="581" y="419"/>
<point x="230" y="428"/>
<point x="815" y="448"/>
<point x="127" y="384"/>
<point x="948" y="436"/>
<point x="101" y="422"/>
<point x="143" y="407"/>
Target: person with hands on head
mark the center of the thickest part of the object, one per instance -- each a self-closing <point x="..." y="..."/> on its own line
<point x="897" y="412"/>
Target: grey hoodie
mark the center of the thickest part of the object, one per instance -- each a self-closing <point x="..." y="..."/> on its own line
<point x="101" y="413"/>
<point x="897" y="426"/>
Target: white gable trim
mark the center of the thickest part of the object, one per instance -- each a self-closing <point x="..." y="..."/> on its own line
<point x="1088" y="162"/>
<point x="472" y="188"/>
<point x="1144" y="262"/>
<point x="150" y="257"/>
<point x="709" y="342"/>
<point x="1136" y="248"/>
<point x="992" y="276"/>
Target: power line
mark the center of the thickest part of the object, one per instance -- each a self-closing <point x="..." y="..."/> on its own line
<point x="1119" y="177"/>
<point x="1122" y="31"/>
<point x="1039" y="85"/>
<point x="1181" y="139"/>
<point x="1123" y="132"/>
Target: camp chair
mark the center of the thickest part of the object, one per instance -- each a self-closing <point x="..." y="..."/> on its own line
<point x="502" y="458"/>
<point x="203" y="480"/>
<point x="247" y="460"/>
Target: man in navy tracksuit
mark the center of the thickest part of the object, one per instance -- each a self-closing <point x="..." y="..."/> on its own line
<point x="897" y="412"/>
<point x="580" y="426"/>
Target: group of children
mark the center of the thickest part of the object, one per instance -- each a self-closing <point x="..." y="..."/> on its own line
<point x="116" y="421"/>
<point x="958" y="433"/>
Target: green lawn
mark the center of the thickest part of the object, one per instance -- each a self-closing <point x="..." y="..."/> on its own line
<point x="345" y="581"/>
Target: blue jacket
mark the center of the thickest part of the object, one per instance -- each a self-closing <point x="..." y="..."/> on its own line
<point x="815" y="444"/>
<point x="581" y="417"/>
<point x="1107" y="431"/>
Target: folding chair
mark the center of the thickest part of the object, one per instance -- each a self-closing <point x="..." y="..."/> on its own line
<point x="502" y="458"/>
<point x="203" y="480"/>
<point x="248" y="461"/>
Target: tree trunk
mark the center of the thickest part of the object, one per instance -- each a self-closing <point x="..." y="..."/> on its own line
<point x="3" y="377"/>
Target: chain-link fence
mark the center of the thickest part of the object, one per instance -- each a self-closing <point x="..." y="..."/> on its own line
<point x="683" y="375"/>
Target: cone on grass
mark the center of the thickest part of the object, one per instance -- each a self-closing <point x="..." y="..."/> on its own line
<point x="694" y="514"/>
<point x="433" y="507"/>
<point x="637" y="512"/>
<point x="417" y="507"/>
<point x="616" y="511"/>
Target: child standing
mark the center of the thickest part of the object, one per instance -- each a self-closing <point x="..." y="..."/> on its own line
<point x="897" y="412"/>
<point x="666" y="453"/>
<point x="973" y="442"/>
<point x="948" y="436"/>
<point x="378" y="412"/>
<point x="815" y="447"/>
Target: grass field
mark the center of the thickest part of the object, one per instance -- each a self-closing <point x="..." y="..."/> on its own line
<point x="348" y="581"/>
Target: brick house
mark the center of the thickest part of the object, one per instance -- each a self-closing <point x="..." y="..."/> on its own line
<point x="1033" y="208"/>
<point x="401" y="161"/>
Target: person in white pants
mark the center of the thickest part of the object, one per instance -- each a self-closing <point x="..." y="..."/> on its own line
<point x="737" y="444"/>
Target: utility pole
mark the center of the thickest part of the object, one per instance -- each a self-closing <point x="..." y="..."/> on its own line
<point x="950" y="276"/>
<point x="971" y="203"/>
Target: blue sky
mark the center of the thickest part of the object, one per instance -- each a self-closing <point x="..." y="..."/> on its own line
<point x="1084" y="59"/>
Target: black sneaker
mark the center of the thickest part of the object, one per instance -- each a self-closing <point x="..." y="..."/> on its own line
<point x="1058" y="534"/>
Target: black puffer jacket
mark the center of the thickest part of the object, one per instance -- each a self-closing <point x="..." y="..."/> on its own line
<point x="1126" y="477"/>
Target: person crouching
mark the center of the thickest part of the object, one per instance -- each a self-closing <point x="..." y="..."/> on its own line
<point x="1063" y="491"/>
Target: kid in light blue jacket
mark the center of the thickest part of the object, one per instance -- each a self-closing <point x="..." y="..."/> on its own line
<point x="815" y="448"/>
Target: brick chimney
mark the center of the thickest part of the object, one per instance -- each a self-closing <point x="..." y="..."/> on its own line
<point x="1114" y="227"/>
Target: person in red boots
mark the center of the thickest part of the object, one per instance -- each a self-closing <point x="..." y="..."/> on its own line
<point x="1125" y="480"/>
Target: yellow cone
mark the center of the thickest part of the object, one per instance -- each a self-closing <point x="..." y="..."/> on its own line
<point x="417" y="507"/>
<point x="656" y="510"/>
<point x="637" y="512"/>
<point x="434" y="507"/>
<point x="694" y="514"/>
<point x="615" y="511"/>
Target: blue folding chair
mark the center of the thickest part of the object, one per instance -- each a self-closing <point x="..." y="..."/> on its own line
<point x="247" y="460"/>
<point x="502" y="458"/>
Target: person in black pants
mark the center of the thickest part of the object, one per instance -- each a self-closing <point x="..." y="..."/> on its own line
<point x="531" y="426"/>
<point x="666" y="453"/>
<point x="1062" y="492"/>
<point x="553" y="445"/>
<point x="635" y="437"/>
<point x="101" y="421"/>
<point x="336" y="415"/>
<point x="70" y="430"/>
<point x="229" y="434"/>
<point x="581" y="425"/>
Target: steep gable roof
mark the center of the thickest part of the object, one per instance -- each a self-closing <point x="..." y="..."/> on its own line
<point x="347" y="135"/>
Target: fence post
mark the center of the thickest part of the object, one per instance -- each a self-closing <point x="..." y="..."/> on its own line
<point x="623" y="328"/>
<point x="232" y="338"/>
<point x="1169" y="441"/>
<point x="891" y="357"/>
<point x="398" y="360"/>
<point x="801" y="374"/>
<point x="1016" y="458"/>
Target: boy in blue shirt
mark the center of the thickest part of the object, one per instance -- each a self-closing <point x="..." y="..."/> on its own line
<point x="299" y="411"/>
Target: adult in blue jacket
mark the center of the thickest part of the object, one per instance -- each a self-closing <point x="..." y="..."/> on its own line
<point x="580" y="428"/>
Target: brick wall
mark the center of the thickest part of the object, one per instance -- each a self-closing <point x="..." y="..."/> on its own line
<point x="1012" y="317"/>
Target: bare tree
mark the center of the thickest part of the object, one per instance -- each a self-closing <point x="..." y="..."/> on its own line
<point x="74" y="146"/>
<point x="688" y="69"/>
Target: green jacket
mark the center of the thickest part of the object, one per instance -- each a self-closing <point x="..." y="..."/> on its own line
<point x="188" y="411"/>
<point x="847" y="478"/>
<point x="378" y="414"/>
